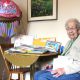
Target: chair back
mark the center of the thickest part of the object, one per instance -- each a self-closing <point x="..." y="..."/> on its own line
<point x="4" y="70"/>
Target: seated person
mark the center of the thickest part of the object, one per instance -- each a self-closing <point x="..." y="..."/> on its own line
<point x="67" y="65"/>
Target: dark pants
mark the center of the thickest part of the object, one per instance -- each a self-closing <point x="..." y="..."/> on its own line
<point x="46" y="75"/>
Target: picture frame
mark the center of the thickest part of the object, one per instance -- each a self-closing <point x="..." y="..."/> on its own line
<point x="39" y="10"/>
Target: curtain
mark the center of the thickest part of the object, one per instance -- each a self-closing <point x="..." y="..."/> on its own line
<point x="22" y="28"/>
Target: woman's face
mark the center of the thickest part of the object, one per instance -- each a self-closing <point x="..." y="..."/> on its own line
<point x="72" y="30"/>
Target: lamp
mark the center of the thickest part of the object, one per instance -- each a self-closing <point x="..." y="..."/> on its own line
<point x="10" y="16"/>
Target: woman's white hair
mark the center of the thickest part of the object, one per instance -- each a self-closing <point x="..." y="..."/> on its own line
<point x="77" y="23"/>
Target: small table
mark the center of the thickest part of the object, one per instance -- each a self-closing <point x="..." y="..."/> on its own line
<point x="26" y="59"/>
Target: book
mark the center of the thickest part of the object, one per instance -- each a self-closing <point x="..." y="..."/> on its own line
<point x="53" y="46"/>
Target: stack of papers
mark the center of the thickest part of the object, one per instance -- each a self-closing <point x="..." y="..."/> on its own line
<point x="50" y="46"/>
<point x="38" y="50"/>
<point x="27" y="49"/>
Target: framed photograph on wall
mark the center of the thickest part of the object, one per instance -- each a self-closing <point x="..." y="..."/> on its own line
<point x="42" y="10"/>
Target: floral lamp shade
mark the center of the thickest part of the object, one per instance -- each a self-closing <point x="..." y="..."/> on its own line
<point x="10" y="16"/>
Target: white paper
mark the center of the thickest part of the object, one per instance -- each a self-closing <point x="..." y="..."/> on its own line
<point x="24" y="40"/>
<point x="61" y="62"/>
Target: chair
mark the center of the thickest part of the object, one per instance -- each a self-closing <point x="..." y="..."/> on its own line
<point x="4" y="70"/>
<point x="8" y="67"/>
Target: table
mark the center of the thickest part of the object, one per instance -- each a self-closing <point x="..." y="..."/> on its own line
<point x="26" y="59"/>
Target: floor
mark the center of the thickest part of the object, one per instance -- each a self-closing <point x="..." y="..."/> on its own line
<point x="27" y="76"/>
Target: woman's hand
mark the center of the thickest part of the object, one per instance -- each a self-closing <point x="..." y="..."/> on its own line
<point x="58" y="72"/>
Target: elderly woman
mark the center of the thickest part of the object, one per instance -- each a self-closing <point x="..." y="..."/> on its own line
<point x="67" y="65"/>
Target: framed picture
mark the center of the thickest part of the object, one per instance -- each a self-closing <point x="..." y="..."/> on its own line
<point x="42" y="10"/>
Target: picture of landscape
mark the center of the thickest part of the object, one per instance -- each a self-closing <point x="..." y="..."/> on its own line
<point x="41" y="8"/>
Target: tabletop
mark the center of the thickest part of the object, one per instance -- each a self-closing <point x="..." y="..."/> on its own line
<point x="25" y="59"/>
